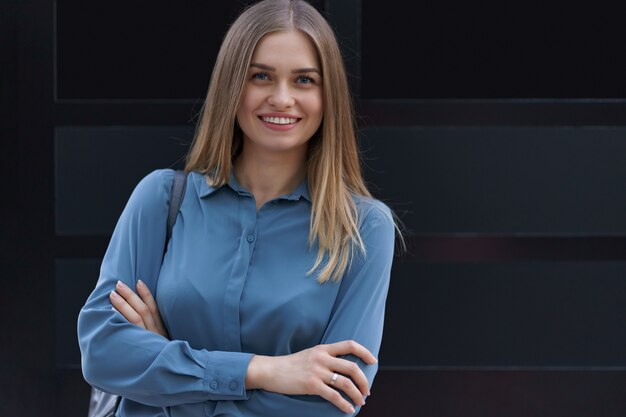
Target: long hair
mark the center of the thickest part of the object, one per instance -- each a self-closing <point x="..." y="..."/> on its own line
<point x="333" y="170"/>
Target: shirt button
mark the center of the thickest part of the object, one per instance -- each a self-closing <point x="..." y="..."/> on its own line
<point x="250" y="238"/>
<point x="233" y="385"/>
<point x="214" y="384"/>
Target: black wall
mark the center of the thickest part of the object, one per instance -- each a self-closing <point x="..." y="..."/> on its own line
<point x="497" y="133"/>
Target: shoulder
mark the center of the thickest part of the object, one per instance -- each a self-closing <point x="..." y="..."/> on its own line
<point x="375" y="220"/>
<point x="377" y="230"/>
<point x="152" y="192"/>
<point x="156" y="181"/>
<point x="372" y="211"/>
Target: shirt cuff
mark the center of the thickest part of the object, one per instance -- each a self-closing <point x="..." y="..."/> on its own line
<point x="225" y="375"/>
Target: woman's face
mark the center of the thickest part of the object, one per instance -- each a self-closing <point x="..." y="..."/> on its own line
<point x="282" y="102"/>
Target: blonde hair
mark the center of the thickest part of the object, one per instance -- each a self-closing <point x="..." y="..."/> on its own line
<point x="333" y="168"/>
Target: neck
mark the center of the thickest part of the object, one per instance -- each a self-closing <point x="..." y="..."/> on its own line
<point x="268" y="176"/>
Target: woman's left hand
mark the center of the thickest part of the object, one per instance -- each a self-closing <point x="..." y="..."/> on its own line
<point x="139" y="309"/>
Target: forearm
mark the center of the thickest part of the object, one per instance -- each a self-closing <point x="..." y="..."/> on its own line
<point x="263" y="403"/>
<point x="124" y="359"/>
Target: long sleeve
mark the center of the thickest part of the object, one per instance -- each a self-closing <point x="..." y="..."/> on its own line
<point x="124" y="359"/>
<point x="358" y="314"/>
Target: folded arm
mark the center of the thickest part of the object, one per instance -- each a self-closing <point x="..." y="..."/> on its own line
<point x="358" y="316"/>
<point x="303" y="381"/>
<point x="124" y="359"/>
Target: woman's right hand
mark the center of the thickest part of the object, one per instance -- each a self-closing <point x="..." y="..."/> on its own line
<point x="311" y="372"/>
<point x="140" y="309"/>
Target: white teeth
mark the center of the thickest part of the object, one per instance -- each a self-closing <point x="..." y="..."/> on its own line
<point x="280" y="120"/>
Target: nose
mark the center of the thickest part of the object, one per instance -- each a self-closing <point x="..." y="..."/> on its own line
<point x="281" y="97"/>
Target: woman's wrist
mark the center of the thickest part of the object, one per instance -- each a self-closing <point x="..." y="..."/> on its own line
<point x="257" y="371"/>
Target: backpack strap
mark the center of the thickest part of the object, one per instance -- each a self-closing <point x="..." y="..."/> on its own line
<point x="176" y="199"/>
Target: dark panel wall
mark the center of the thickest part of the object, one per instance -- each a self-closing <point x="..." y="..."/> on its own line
<point x="514" y="314"/>
<point x="102" y="165"/>
<point x="501" y="180"/>
<point x="74" y="281"/>
<point x="153" y="50"/>
<point x="496" y="134"/>
<point x="504" y="49"/>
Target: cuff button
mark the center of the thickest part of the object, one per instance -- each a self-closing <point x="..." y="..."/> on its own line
<point x="233" y="385"/>
<point x="214" y="384"/>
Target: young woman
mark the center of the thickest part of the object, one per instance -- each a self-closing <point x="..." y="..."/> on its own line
<point x="270" y="298"/>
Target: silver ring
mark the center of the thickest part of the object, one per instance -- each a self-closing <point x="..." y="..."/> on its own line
<point x="334" y="378"/>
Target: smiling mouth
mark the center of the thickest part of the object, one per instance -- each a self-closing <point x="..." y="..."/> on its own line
<point x="279" y="120"/>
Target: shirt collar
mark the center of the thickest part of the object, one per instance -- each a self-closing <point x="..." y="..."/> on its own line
<point x="301" y="191"/>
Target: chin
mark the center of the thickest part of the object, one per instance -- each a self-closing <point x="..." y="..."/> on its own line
<point x="277" y="145"/>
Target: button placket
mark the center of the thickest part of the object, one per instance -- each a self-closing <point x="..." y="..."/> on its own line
<point x="236" y="282"/>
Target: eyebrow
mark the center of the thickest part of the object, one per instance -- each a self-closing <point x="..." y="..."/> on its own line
<point x="295" y="71"/>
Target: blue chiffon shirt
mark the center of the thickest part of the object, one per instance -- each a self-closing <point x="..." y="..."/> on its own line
<point x="233" y="283"/>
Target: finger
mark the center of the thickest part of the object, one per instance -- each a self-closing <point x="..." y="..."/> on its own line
<point x="146" y="296"/>
<point x="353" y="372"/>
<point x="125" y="309"/>
<point x="135" y="303"/>
<point x="346" y="385"/>
<point x="148" y="299"/>
<point x="350" y="347"/>
<point x="336" y="399"/>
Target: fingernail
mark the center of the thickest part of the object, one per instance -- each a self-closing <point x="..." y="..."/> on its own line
<point x="140" y="282"/>
<point x="119" y="284"/>
<point x="114" y="294"/>
<point x="352" y="409"/>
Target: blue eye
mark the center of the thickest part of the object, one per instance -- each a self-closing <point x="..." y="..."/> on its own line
<point x="303" y="79"/>
<point x="261" y="76"/>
